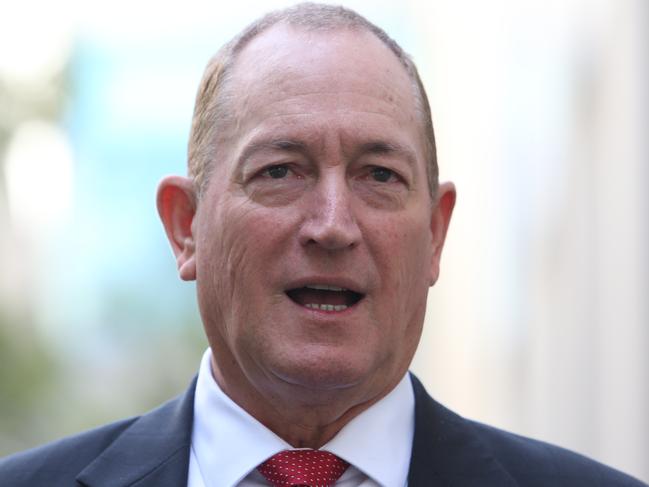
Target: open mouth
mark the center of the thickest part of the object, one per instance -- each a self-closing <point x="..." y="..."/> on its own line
<point x="324" y="298"/>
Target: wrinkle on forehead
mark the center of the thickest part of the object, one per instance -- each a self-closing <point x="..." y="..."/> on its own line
<point x="341" y="101"/>
<point x="308" y="131"/>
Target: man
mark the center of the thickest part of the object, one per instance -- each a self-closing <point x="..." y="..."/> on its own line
<point x="313" y="224"/>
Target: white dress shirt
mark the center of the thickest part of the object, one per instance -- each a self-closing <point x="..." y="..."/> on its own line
<point x="228" y="443"/>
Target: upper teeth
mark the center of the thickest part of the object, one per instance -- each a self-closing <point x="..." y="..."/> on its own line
<point x="325" y="287"/>
<point x="326" y="307"/>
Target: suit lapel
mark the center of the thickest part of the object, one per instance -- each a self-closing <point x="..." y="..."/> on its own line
<point x="153" y="451"/>
<point x="446" y="451"/>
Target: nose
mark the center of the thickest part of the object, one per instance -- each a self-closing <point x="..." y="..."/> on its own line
<point x="330" y="222"/>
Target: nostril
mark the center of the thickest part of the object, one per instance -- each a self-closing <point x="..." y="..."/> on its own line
<point x="330" y="235"/>
<point x="330" y="220"/>
<point x="331" y="245"/>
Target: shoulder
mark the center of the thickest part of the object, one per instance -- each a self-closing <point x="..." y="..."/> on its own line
<point x="533" y="462"/>
<point x="462" y="452"/>
<point x="124" y="452"/>
<point x="59" y="462"/>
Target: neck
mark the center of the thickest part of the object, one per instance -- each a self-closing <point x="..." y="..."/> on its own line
<point x="302" y="417"/>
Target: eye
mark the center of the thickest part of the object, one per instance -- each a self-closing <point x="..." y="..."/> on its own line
<point x="382" y="174"/>
<point x="277" y="172"/>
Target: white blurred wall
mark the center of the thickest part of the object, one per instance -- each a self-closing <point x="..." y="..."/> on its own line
<point x="540" y="322"/>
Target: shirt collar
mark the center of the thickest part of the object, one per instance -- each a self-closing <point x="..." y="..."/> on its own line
<point x="229" y="443"/>
<point x="379" y="440"/>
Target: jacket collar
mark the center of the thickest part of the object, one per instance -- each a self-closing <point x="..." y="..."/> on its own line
<point x="447" y="450"/>
<point x="152" y="451"/>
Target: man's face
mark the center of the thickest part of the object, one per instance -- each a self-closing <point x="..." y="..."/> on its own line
<point x="315" y="236"/>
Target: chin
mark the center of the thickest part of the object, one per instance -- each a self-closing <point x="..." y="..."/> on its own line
<point x="325" y="374"/>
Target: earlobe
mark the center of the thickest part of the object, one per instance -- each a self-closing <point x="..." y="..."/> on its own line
<point x="440" y="220"/>
<point x="176" y="202"/>
<point x="186" y="261"/>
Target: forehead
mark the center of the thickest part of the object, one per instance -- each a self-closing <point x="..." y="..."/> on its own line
<point x="291" y="71"/>
<point x="285" y="49"/>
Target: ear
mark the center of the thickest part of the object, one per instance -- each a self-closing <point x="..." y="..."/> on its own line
<point x="440" y="220"/>
<point x="176" y="201"/>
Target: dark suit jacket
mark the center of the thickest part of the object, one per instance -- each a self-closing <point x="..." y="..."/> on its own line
<point x="153" y="451"/>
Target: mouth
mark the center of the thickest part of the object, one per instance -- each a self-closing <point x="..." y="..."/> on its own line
<point x="324" y="297"/>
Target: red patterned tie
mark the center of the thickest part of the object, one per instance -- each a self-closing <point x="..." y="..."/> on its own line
<point x="312" y="468"/>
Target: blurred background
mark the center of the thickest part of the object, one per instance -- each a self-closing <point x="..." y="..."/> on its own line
<point x="540" y="321"/>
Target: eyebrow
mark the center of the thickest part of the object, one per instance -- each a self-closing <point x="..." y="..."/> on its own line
<point x="277" y="144"/>
<point x="380" y="147"/>
<point x="377" y="147"/>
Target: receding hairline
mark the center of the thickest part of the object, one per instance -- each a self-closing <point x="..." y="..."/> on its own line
<point x="213" y="99"/>
<point x="313" y="17"/>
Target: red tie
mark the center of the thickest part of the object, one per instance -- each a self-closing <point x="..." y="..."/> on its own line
<point x="312" y="468"/>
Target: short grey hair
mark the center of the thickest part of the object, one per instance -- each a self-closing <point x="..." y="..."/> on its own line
<point x="211" y="108"/>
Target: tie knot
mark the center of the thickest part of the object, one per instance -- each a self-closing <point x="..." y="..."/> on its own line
<point x="312" y="468"/>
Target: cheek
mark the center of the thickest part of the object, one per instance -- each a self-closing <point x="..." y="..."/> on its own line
<point x="242" y="243"/>
<point x="405" y="248"/>
<point x="403" y="260"/>
<point x="231" y="256"/>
